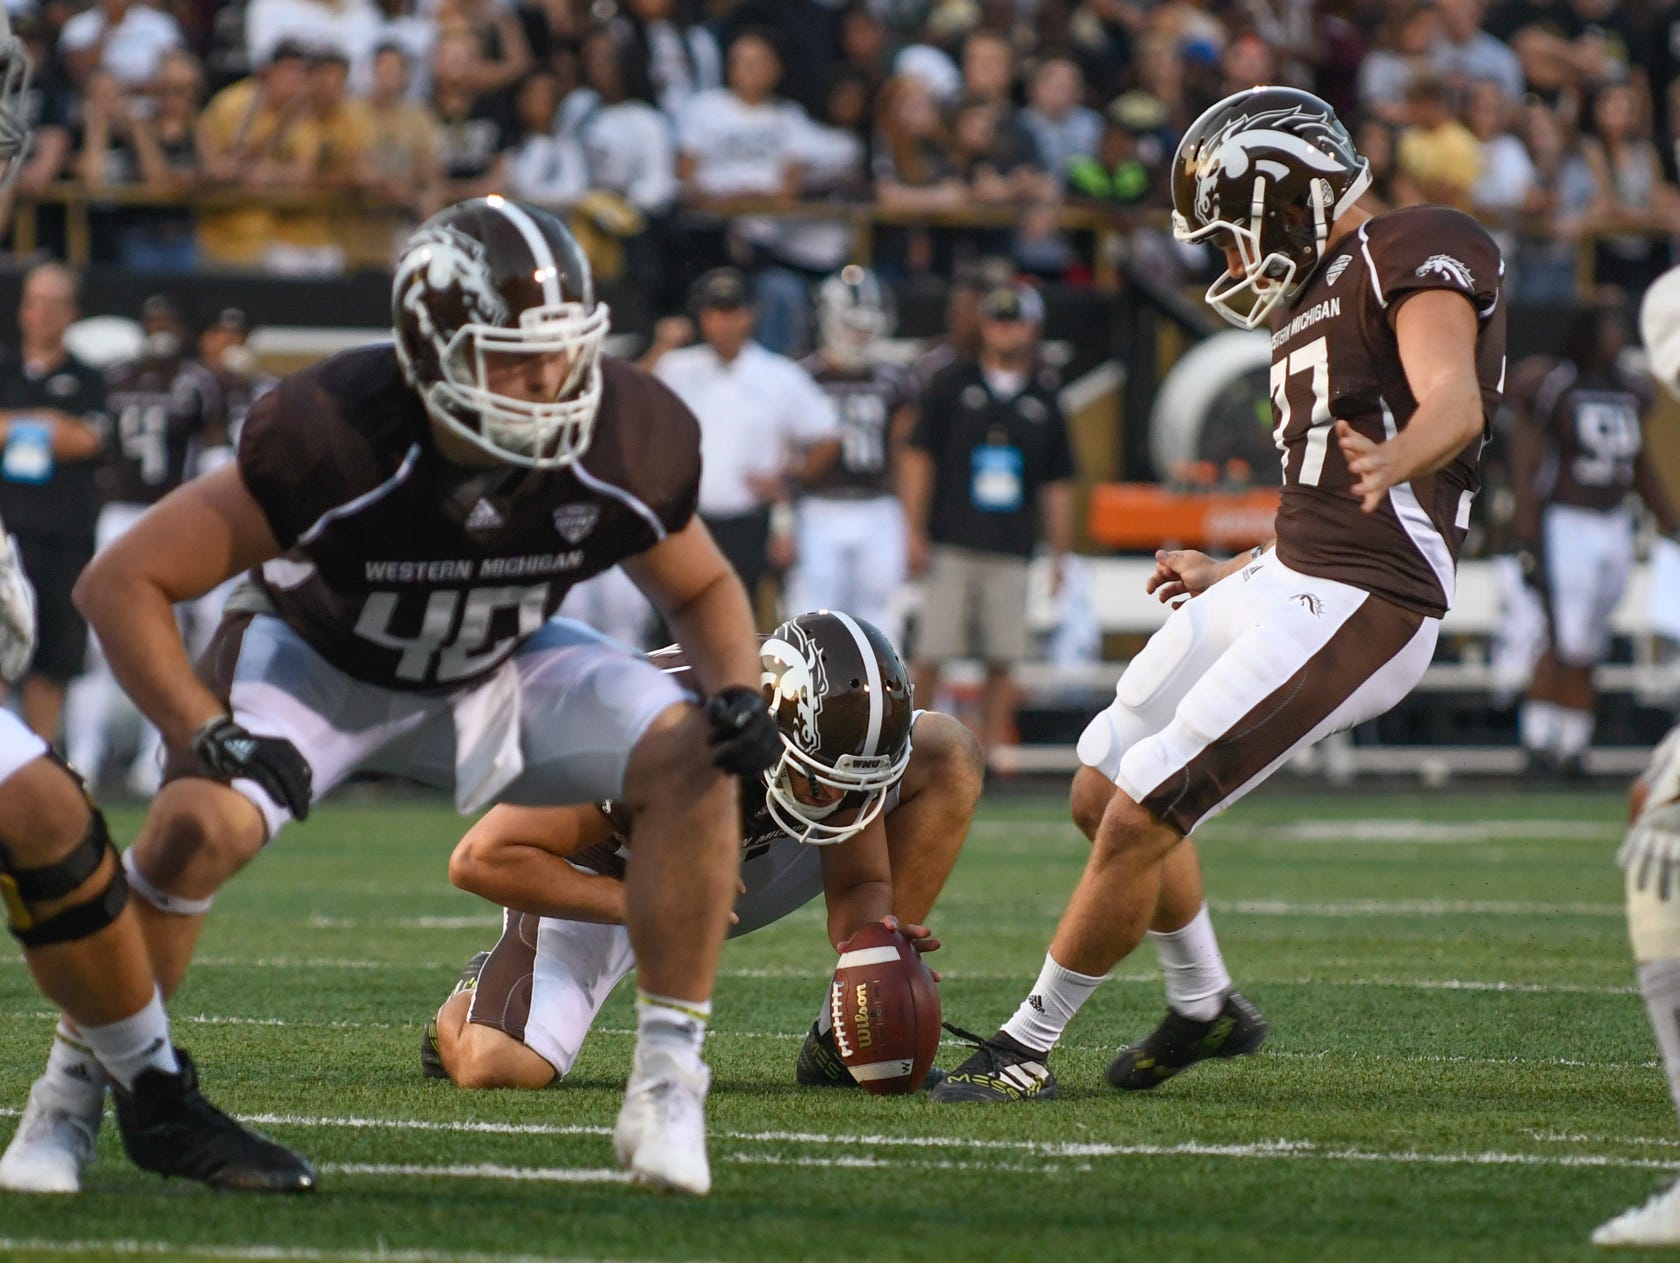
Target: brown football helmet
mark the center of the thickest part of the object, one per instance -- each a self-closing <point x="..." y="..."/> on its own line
<point x="484" y="282"/>
<point x="1273" y="168"/>
<point x="840" y="695"/>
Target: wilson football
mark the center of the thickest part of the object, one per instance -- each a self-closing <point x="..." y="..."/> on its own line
<point x="885" y="1008"/>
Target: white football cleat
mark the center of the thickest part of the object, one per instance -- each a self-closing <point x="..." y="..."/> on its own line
<point x="661" y="1133"/>
<point x="52" y="1146"/>
<point x="1656" y="1222"/>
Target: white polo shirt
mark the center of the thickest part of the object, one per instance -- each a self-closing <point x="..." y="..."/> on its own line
<point x="134" y="52"/>
<point x="755" y="413"/>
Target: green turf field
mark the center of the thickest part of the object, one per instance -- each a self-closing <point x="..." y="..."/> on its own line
<point x="1459" y="1067"/>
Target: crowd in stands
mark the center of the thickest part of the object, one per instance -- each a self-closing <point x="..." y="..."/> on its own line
<point x="306" y="136"/>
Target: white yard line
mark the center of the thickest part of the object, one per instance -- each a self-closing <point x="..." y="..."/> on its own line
<point x="1429" y="832"/>
<point x="1413" y="907"/>
<point x="483" y="1171"/>
<point x="11" y="1247"/>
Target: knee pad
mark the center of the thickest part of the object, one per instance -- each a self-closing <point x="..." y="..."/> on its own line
<point x="21" y="888"/>
<point x="159" y="898"/>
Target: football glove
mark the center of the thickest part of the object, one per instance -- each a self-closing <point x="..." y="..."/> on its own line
<point x="17" y="613"/>
<point x="744" y="740"/>
<point x="227" y="752"/>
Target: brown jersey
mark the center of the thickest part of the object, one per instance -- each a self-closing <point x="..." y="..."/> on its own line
<point x="865" y="400"/>
<point x="158" y="409"/>
<point x="404" y="570"/>
<point x="1335" y="356"/>
<point x="1592" y="436"/>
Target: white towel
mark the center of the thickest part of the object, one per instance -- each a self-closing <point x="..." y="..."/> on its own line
<point x="487" y="753"/>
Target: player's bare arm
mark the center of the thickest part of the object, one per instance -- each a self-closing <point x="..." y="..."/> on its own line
<point x="1186" y="572"/>
<point x="195" y="538"/>
<point x="514" y="857"/>
<point x="1436" y="332"/>
<point x="915" y="491"/>
<point x="691" y="583"/>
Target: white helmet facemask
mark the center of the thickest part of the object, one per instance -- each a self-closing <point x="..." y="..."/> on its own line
<point x="861" y="781"/>
<point x="539" y="434"/>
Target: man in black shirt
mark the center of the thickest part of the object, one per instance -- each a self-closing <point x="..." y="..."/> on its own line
<point x="52" y="414"/>
<point x="986" y="476"/>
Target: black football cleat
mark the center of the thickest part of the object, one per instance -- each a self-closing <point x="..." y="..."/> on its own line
<point x="1180" y="1042"/>
<point x="169" y="1128"/>
<point x="819" y="1064"/>
<point x="999" y="1069"/>
<point x="431" y="1060"/>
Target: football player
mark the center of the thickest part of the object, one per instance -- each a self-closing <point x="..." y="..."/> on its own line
<point x="162" y="404"/>
<point x="66" y="902"/>
<point x="410" y="515"/>
<point x="851" y="543"/>
<point x="1652" y="849"/>
<point x="1388" y="350"/>
<point x="883" y="795"/>
<point x="1577" y="456"/>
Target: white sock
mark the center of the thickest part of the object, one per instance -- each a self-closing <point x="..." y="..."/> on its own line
<point x="1197" y="979"/>
<point x="1574" y="731"/>
<point x="1659" y="982"/>
<point x="677" y="1027"/>
<point x="74" y="1075"/>
<point x="1537" y="724"/>
<point x="1045" y="1013"/>
<point x="134" y="1044"/>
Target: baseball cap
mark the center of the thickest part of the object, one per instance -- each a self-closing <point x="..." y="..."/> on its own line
<point x="159" y="307"/>
<point x="232" y="319"/>
<point x="1013" y="302"/>
<point x="722" y="288"/>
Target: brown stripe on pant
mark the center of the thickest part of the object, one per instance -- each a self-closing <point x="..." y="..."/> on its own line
<point x="1357" y="650"/>
<point x="502" y="998"/>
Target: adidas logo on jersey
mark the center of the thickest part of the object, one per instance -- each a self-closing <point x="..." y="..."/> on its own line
<point x="1333" y="273"/>
<point x="484" y="517"/>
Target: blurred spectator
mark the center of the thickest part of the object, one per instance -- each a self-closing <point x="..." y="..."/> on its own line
<point x="1160" y="74"/>
<point x="986" y="479"/>
<point x="159" y="238"/>
<point x="1404" y="49"/>
<point x="160" y="405"/>
<point x="1245" y="62"/>
<point x="315" y="25"/>
<point x="47" y="106"/>
<point x="1464" y="53"/>
<point x="865" y="46"/>
<point x="627" y="142"/>
<point x="806" y="35"/>
<point x="1376" y="141"/>
<point x="554" y="30"/>
<point x="125" y="37"/>
<point x="1125" y="173"/>
<point x="997" y="172"/>
<point x="1439" y="160"/>
<point x="1547" y="249"/>
<point x="311" y="240"/>
<point x="504" y="57"/>
<point x="988" y="70"/>
<point x="765" y="427"/>
<point x="255" y="137"/>
<point x="1507" y="189"/>
<point x="116" y="148"/>
<point x="1063" y="128"/>
<point x="1565" y="46"/>
<point x="1636" y="209"/>
<point x="52" y="424"/>
<point x="402" y="169"/>
<point x="742" y="141"/>
<point x="961" y="339"/>
<point x="476" y="130"/>
<point x="912" y="162"/>
<point x="932" y="68"/>
<point x="546" y="168"/>
<point x="682" y="57"/>
<point x="398" y="23"/>
<point x="1105" y="34"/>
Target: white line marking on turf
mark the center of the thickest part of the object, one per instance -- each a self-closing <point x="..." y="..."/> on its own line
<point x="1413" y="907"/>
<point x="10" y="1246"/>
<point x="1043" y="1148"/>
<point x="484" y="1171"/>
<point x="1429" y="832"/>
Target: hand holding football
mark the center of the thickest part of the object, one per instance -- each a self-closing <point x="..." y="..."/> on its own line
<point x="885" y="1010"/>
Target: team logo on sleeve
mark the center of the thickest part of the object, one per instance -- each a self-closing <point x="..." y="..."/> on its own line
<point x="574" y="521"/>
<point x="1448" y="267"/>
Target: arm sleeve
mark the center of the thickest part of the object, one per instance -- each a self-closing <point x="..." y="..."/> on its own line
<point x="294" y="481"/>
